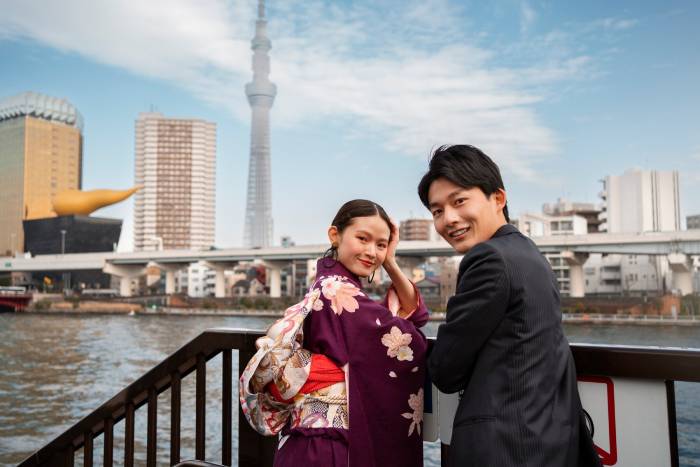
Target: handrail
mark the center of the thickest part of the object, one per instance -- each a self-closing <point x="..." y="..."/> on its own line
<point x="621" y="361"/>
<point x="191" y="357"/>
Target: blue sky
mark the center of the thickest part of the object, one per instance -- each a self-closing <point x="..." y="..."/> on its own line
<point x="560" y="94"/>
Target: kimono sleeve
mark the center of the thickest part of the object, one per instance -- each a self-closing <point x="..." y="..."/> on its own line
<point x="473" y="313"/>
<point x="323" y="328"/>
<point x="418" y="315"/>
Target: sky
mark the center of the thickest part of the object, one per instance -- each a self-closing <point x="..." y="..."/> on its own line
<point x="559" y="94"/>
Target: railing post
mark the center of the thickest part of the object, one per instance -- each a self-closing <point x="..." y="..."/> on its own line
<point x="129" y="435"/>
<point x="151" y="437"/>
<point x="444" y="454"/>
<point x="226" y="410"/>
<point x="87" y="449"/>
<point x="253" y="450"/>
<point x="70" y="457"/>
<point x="175" y="419"/>
<point x="200" y="407"/>
<point x="109" y="442"/>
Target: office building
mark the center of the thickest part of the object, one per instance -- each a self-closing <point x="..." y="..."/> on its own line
<point x="636" y="201"/>
<point x="40" y="156"/>
<point x="641" y="201"/>
<point x="176" y="166"/>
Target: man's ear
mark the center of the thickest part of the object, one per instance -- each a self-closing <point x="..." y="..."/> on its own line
<point x="500" y="197"/>
<point x="333" y="235"/>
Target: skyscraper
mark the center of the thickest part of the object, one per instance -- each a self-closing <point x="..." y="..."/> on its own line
<point x="176" y="165"/>
<point x="41" y="150"/>
<point x="261" y="95"/>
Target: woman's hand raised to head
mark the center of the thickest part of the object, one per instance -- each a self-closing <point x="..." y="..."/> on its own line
<point x="405" y="290"/>
<point x="390" y="258"/>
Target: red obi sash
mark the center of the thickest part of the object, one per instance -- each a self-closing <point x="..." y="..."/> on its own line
<point x="323" y="373"/>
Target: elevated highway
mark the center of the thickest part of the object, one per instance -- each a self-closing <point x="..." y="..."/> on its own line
<point x="679" y="247"/>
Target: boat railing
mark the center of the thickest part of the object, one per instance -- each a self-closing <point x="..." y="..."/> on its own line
<point x="254" y="450"/>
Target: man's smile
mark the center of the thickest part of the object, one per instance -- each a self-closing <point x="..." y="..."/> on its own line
<point x="459" y="233"/>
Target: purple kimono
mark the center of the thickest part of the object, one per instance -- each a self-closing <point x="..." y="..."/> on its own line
<point x="378" y="420"/>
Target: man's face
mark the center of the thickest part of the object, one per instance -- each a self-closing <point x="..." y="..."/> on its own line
<point x="465" y="216"/>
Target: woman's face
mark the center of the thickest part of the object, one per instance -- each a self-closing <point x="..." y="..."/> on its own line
<point x="362" y="246"/>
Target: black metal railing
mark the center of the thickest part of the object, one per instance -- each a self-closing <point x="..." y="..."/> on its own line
<point x="255" y="450"/>
<point x="192" y="357"/>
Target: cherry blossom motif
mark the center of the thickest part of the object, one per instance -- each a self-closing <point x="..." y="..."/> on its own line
<point x="314" y="298"/>
<point x="397" y="344"/>
<point x="341" y="294"/>
<point x="392" y="374"/>
<point x="311" y="299"/>
<point x="415" y="402"/>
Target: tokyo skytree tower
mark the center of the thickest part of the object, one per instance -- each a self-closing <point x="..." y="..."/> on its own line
<point x="261" y="95"/>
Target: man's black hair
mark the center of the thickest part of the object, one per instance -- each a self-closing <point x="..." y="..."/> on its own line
<point x="463" y="165"/>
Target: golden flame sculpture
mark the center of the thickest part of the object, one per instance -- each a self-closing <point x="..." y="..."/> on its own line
<point x="76" y="202"/>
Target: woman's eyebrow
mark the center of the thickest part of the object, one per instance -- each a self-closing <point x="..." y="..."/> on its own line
<point x="381" y="239"/>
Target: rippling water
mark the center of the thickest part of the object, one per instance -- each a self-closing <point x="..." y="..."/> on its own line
<point x="56" y="369"/>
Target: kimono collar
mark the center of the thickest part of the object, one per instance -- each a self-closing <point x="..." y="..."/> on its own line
<point x="331" y="267"/>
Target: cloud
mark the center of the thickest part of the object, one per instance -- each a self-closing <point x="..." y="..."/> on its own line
<point x="409" y="76"/>
<point x="527" y="17"/>
<point x="615" y="24"/>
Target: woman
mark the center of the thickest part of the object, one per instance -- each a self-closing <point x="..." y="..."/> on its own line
<point x="362" y="404"/>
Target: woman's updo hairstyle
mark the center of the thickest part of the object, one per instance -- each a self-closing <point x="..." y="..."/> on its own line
<point x="351" y="210"/>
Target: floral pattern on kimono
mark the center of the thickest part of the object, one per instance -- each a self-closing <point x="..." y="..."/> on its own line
<point x="384" y="358"/>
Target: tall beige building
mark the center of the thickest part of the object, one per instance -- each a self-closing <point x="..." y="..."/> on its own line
<point x="176" y="165"/>
<point x="416" y="229"/>
<point x="40" y="155"/>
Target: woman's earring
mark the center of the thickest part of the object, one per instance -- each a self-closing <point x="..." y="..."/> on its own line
<point x="371" y="277"/>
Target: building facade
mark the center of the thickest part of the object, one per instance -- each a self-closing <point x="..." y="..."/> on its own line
<point x="176" y="166"/>
<point x="41" y="151"/>
<point x="416" y="229"/>
<point x="538" y="225"/>
<point x="641" y="201"/>
<point x="588" y="211"/>
<point x="637" y="201"/>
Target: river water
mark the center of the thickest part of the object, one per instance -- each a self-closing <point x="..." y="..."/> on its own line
<point x="56" y="369"/>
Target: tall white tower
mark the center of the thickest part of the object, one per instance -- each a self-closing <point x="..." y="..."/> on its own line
<point x="261" y="95"/>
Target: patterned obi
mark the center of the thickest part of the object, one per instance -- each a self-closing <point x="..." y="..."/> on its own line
<point x="322" y="400"/>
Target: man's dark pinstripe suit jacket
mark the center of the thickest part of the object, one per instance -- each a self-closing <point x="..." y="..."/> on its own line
<point x="503" y="345"/>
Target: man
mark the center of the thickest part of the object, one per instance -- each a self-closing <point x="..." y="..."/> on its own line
<point x="502" y="345"/>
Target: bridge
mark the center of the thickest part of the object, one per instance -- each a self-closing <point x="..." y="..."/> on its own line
<point x="679" y="247"/>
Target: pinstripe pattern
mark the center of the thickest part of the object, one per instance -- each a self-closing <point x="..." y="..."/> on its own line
<point x="503" y="345"/>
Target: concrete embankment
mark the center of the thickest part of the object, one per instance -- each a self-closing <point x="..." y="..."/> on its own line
<point x="96" y="307"/>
